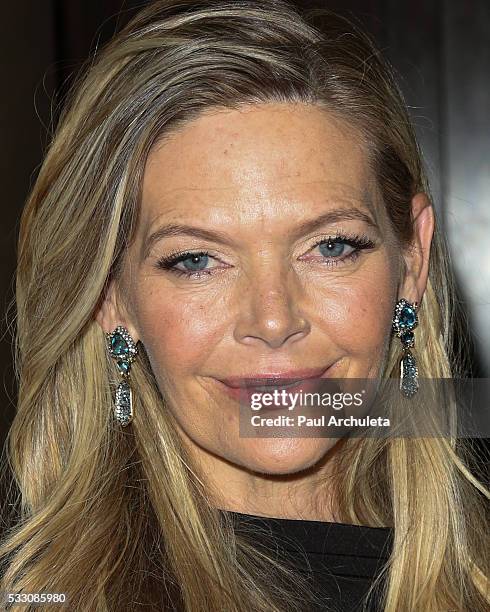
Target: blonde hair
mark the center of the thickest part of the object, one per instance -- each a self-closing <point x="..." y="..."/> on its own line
<point x="116" y="518"/>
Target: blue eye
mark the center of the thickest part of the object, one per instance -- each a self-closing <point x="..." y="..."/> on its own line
<point x="335" y="250"/>
<point x="195" y="262"/>
<point x="331" y="248"/>
<point x="339" y="249"/>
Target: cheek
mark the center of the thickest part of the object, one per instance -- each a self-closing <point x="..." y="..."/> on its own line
<point x="357" y="313"/>
<point x="176" y="332"/>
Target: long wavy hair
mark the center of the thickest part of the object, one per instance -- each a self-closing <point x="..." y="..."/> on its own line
<point x="120" y="518"/>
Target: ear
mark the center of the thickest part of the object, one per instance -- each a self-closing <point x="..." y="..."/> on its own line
<point x="111" y="312"/>
<point x="416" y="257"/>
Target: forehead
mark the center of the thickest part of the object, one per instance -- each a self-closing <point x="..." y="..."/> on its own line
<point x="245" y="161"/>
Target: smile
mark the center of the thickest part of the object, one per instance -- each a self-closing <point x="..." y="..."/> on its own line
<point x="242" y="388"/>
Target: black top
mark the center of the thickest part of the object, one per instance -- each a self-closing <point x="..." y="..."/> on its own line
<point x="341" y="560"/>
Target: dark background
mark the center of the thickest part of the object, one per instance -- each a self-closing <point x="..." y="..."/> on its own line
<point x="440" y="49"/>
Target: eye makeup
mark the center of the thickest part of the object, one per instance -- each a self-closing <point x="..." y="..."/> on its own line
<point x="332" y="252"/>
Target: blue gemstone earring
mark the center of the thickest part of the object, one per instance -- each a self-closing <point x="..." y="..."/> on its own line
<point x="405" y="320"/>
<point x="123" y="349"/>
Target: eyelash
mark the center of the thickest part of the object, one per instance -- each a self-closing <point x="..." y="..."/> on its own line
<point x="358" y="242"/>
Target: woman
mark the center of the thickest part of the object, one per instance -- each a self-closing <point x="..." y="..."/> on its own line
<point x="234" y="191"/>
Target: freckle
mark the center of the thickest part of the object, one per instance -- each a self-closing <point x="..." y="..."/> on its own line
<point x="225" y="152"/>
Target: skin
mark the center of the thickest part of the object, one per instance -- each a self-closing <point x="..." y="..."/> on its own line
<point x="272" y="301"/>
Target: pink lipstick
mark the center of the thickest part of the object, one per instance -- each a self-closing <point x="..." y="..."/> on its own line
<point x="241" y="388"/>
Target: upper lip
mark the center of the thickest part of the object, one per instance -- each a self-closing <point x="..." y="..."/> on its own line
<point x="273" y="378"/>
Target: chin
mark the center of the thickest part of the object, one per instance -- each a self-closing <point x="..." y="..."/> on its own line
<point x="283" y="455"/>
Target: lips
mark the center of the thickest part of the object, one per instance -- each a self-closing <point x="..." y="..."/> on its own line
<point x="271" y="384"/>
<point x="283" y="377"/>
<point x="241" y="388"/>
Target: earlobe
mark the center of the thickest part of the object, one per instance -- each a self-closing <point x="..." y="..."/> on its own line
<point x="417" y="258"/>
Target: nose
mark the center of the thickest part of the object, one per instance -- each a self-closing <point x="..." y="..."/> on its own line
<point x="269" y="309"/>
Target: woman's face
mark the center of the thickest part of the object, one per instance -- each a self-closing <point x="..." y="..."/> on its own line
<point x="256" y="190"/>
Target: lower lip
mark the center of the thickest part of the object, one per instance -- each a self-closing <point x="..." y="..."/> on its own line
<point x="243" y="394"/>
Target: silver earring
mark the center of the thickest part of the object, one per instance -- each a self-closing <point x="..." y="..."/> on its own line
<point x="405" y="320"/>
<point x="123" y="349"/>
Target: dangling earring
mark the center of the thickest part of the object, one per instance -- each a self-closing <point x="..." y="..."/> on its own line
<point x="405" y="320"/>
<point x="123" y="349"/>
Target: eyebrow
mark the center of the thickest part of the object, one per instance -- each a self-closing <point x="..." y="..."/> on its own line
<point x="332" y="216"/>
<point x="179" y="229"/>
